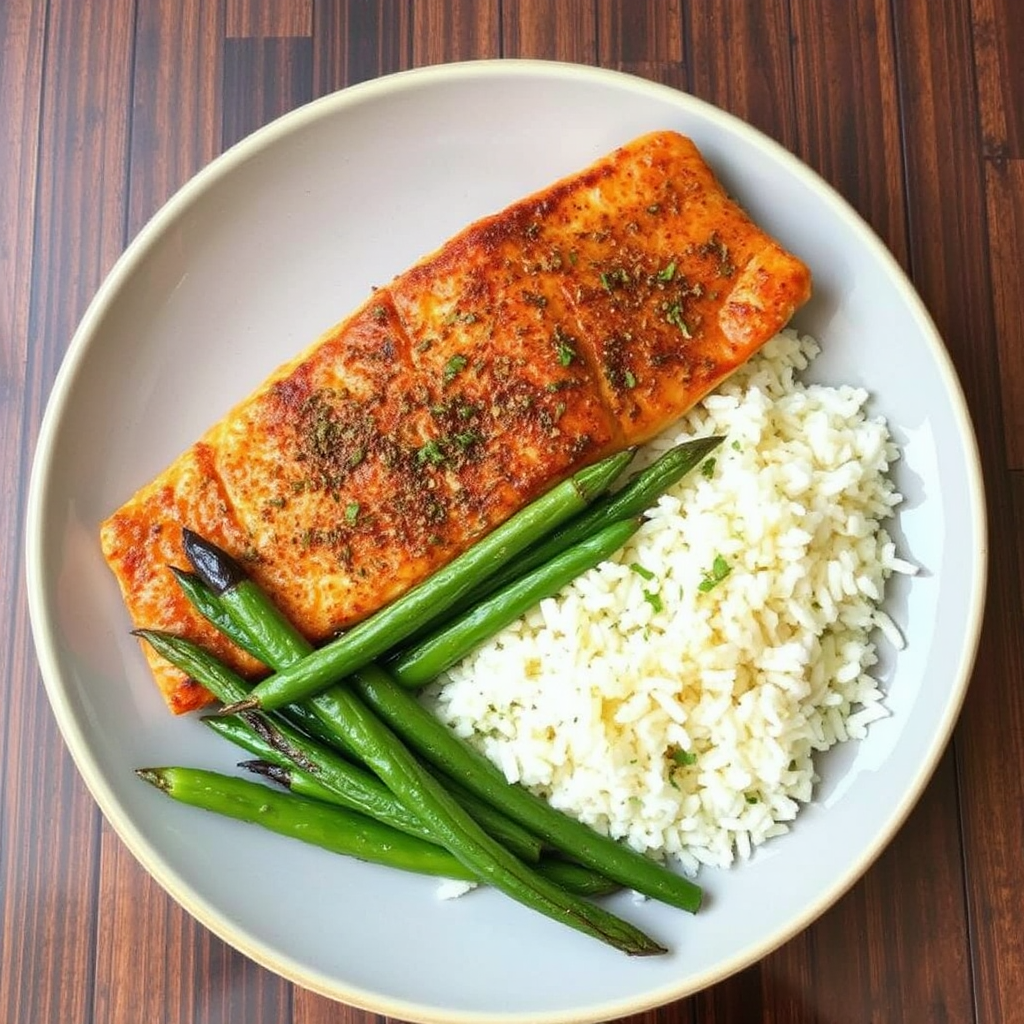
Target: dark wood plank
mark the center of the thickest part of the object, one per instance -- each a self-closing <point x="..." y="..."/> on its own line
<point x="265" y="19"/>
<point x="263" y="79"/>
<point x="947" y="203"/>
<point x="998" y="34"/>
<point x="545" y="31"/>
<point x="448" y="30"/>
<point x="644" y="38"/>
<point x="998" y="37"/>
<point x="356" y="40"/>
<point x="48" y="859"/>
<point x="740" y="60"/>
<point x="1004" y="203"/>
<point x="177" y="73"/>
<point x="848" y="122"/>
<point x="22" y="26"/>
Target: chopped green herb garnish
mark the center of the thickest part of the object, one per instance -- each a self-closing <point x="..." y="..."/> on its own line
<point x="630" y="380"/>
<point x="614" y="279"/>
<point x="379" y="313"/>
<point x="455" y="317"/>
<point x="352" y="513"/>
<point x="752" y="798"/>
<point x="641" y="571"/>
<point x="668" y="272"/>
<point x="276" y="502"/>
<point x="430" y="452"/>
<point x="654" y="600"/>
<point x="564" y="347"/>
<point x="707" y="469"/>
<point x="465" y="438"/>
<point x="683" y="757"/>
<point x="736" y="446"/>
<point x="719" y="570"/>
<point x="453" y="368"/>
<point x="674" y="316"/>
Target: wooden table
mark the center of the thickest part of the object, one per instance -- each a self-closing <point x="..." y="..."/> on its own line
<point x="912" y="109"/>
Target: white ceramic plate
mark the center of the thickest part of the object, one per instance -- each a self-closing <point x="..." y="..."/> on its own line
<point x="252" y="259"/>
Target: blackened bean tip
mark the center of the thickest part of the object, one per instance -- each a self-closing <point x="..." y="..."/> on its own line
<point x="214" y="566"/>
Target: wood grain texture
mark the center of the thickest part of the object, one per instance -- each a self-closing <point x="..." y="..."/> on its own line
<point x="847" y="105"/>
<point x="175" y="81"/>
<point x="263" y="79"/>
<point x="546" y="31"/>
<point x="998" y="33"/>
<point x="913" y="110"/>
<point x="643" y="38"/>
<point x="450" y="30"/>
<point x="740" y="60"/>
<point x="265" y="19"/>
<point x="998" y="37"/>
<point x="1004" y="204"/>
<point x="356" y="40"/>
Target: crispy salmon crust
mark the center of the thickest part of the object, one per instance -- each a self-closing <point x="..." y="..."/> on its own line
<point x="582" y="319"/>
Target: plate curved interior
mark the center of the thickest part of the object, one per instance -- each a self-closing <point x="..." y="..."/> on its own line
<point x="255" y="257"/>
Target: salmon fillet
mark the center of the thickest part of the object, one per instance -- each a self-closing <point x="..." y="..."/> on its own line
<point x="584" y="318"/>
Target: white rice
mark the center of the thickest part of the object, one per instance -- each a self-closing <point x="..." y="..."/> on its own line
<point x="684" y="718"/>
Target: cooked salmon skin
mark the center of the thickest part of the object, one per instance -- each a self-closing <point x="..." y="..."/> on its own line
<point x="580" y="320"/>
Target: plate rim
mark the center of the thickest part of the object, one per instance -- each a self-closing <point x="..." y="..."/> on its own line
<point x="82" y="341"/>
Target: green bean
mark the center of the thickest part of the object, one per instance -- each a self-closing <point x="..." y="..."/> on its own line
<point x="256" y="615"/>
<point x="434" y="742"/>
<point x="357" y="788"/>
<point x="334" y="828"/>
<point x="576" y="878"/>
<point x="379" y="748"/>
<point x="206" y="602"/>
<point x="402" y="773"/>
<point x="424" y="662"/>
<point x="306" y="773"/>
<point x="245" y="602"/>
<point x="316" y="770"/>
<point x="198" y="664"/>
<point x="279" y="742"/>
<point x="296" y="781"/>
<point x="520" y="840"/>
<point x="340" y="711"/>
<point x="429" y="600"/>
<point x="634" y="498"/>
<point x="573" y="877"/>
